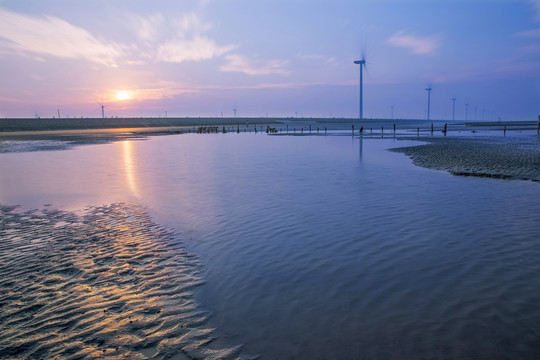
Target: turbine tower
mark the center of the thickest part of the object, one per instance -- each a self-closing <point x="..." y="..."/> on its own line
<point x="102" y="109"/>
<point x="453" y="108"/>
<point x="428" y="100"/>
<point x="362" y="64"/>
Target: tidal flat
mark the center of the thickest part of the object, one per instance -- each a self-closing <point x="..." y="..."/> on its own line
<point x="245" y="245"/>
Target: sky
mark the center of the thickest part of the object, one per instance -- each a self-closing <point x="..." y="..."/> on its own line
<point x="275" y="58"/>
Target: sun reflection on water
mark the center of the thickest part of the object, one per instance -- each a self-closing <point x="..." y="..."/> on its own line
<point x="129" y="167"/>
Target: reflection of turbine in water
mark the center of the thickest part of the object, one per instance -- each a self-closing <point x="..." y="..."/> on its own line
<point x="361" y="147"/>
<point x="131" y="180"/>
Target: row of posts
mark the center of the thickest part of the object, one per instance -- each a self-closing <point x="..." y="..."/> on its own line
<point x="445" y="129"/>
<point x="214" y="129"/>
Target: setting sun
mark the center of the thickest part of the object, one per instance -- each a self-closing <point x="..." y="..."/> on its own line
<point x="123" y="95"/>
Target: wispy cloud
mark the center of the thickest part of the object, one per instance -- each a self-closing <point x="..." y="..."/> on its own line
<point x="317" y="57"/>
<point x="52" y="36"/>
<point x="160" y="39"/>
<point x="158" y="27"/>
<point x="161" y="92"/>
<point x="197" y="49"/>
<point x="239" y="63"/>
<point x="420" y="45"/>
<point x="530" y="49"/>
<point x="177" y="39"/>
<point x="536" y="6"/>
<point x="535" y="33"/>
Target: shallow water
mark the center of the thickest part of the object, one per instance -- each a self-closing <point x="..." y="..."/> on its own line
<point x="322" y="247"/>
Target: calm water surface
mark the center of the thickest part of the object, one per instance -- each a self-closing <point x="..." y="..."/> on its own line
<point x="323" y="247"/>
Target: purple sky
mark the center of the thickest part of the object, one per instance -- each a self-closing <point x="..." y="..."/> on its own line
<point x="270" y="58"/>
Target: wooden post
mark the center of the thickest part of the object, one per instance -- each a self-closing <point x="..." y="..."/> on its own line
<point x="504" y="130"/>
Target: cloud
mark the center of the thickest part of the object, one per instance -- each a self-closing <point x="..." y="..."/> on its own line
<point x="535" y="33"/>
<point x="530" y="49"/>
<point x="311" y="56"/>
<point x="52" y="36"/>
<point x="148" y="28"/>
<point x="162" y="92"/>
<point x="536" y="6"/>
<point x="416" y="44"/>
<point x="160" y="39"/>
<point x="176" y="39"/>
<point x="197" y="49"/>
<point x="316" y="57"/>
<point x="239" y="63"/>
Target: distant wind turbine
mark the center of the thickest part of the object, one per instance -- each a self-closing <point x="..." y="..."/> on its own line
<point x="428" y="100"/>
<point x="102" y="109"/>
<point x="362" y="64"/>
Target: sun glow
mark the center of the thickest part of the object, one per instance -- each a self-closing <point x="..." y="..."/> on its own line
<point x="122" y="95"/>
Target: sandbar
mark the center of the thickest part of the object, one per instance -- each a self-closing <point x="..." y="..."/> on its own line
<point x="509" y="158"/>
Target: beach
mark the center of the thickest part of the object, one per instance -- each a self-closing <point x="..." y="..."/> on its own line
<point x="292" y="245"/>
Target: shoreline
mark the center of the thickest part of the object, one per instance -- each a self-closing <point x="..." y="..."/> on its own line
<point x="491" y="156"/>
<point x="10" y="126"/>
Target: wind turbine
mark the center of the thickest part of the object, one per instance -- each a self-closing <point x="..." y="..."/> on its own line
<point x="428" y="99"/>
<point x="102" y="109"/>
<point x="362" y="64"/>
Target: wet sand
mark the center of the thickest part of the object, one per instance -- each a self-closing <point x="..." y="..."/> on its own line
<point x="104" y="283"/>
<point x="107" y="282"/>
<point x="512" y="158"/>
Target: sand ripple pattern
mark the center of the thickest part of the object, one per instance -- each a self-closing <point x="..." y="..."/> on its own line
<point x="500" y="158"/>
<point x="107" y="283"/>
